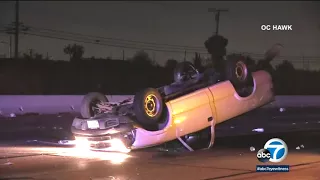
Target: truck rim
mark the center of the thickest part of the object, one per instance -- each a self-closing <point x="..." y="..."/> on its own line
<point x="241" y="71"/>
<point x="151" y="105"/>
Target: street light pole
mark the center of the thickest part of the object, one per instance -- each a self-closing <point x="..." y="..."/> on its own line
<point x="217" y="16"/>
<point x="10" y="46"/>
<point x="3" y="42"/>
<point x="16" y="52"/>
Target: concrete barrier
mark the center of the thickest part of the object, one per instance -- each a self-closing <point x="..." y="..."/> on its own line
<point x="21" y="104"/>
<point x="295" y="101"/>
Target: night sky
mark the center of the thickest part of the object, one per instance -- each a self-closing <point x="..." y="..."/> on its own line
<point x="180" y="23"/>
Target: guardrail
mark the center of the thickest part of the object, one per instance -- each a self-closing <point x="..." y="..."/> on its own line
<point x="21" y="104"/>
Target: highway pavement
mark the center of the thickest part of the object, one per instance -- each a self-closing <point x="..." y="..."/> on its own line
<point x="29" y="150"/>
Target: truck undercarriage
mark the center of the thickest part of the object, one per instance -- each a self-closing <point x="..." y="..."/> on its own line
<point x="107" y="125"/>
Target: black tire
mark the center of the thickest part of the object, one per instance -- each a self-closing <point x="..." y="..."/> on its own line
<point x="184" y="71"/>
<point x="155" y="104"/>
<point x="237" y="71"/>
<point x="89" y="102"/>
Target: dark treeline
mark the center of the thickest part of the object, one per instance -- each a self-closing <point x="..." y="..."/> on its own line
<point x="31" y="76"/>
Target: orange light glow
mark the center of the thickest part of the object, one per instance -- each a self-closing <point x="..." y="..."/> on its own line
<point x="83" y="151"/>
<point x="113" y="157"/>
<point x="115" y="145"/>
<point x="81" y="143"/>
<point x="179" y="119"/>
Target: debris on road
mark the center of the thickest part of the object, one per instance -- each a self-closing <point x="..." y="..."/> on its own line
<point x="161" y="149"/>
<point x="302" y="146"/>
<point x="282" y="109"/>
<point x="252" y="149"/>
<point x="232" y="127"/>
<point x="67" y="142"/>
<point x="258" y="130"/>
<point x="7" y="163"/>
<point x="293" y="123"/>
<point x="28" y="141"/>
<point x="13" y="115"/>
<point x="298" y="147"/>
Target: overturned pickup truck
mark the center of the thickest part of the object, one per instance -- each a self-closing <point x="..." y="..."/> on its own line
<point x="187" y="110"/>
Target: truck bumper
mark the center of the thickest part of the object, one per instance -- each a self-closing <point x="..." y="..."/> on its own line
<point x="115" y="137"/>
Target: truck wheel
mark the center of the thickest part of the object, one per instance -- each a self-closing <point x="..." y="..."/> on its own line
<point x="148" y="106"/>
<point x="89" y="103"/>
<point x="237" y="71"/>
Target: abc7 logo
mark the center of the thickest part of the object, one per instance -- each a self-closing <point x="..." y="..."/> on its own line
<point x="263" y="155"/>
<point x="275" y="150"/>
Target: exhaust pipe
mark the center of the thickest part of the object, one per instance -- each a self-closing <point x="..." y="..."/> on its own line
<point x="273" y="52"/>
<point x="264" y="64"/>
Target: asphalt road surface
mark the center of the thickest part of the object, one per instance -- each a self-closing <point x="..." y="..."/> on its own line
<point x="28" y="151"/>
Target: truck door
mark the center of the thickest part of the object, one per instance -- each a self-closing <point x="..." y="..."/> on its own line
<point x="192" y="112"/>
